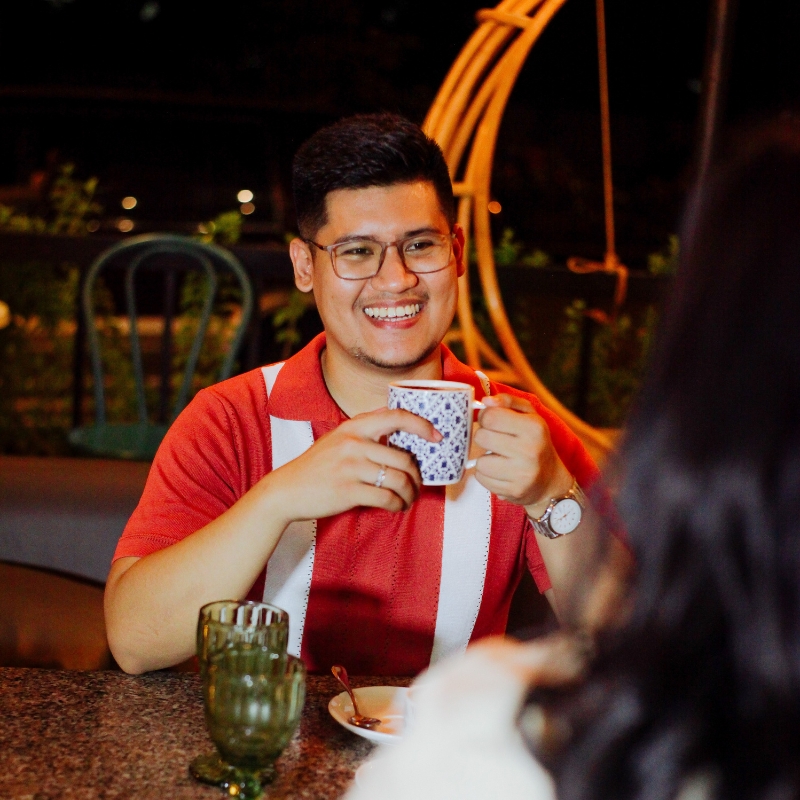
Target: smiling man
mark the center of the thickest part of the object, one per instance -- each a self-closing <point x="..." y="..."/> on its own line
<point x="279" y="485"/>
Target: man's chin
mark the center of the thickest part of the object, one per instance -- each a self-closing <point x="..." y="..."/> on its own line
<point x="396" y="364"/>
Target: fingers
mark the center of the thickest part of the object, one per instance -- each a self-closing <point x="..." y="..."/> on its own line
<point x="507" y="401"/>
<point x="396" y="494"/>
<point x="384" y="421"/>
<point x="384" y="456"/>
<point x="389" y="488"/>
<point x="511" y="428"/>
<point x="522" y="465"/>
<point x="508" y="414"/>
<point x="548" y="661"/>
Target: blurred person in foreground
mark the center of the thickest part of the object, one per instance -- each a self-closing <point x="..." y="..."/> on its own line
<point x="278" y="484"/>
<point x="694" y="690"/>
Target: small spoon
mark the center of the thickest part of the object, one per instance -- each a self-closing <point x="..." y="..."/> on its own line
<point x="359" y="720"/>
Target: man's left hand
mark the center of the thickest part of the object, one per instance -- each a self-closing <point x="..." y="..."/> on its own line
<point x="522" y="465"/>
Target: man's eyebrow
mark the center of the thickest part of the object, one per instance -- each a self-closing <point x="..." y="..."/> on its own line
<point x="355" y="237"/>
<point x="419" y="231"/>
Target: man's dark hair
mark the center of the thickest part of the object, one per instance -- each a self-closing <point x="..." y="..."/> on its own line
<point x="362" y="151"/>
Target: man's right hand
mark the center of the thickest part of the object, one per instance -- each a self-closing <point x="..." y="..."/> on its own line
<point x="340" y="470"/>
<point x="152" y="602"/>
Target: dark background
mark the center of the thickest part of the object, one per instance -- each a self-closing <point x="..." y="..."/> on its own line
<point x="181" y="104"/>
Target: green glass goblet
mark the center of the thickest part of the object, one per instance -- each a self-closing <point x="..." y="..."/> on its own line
<point x="253" y="693"/>
<point x="225" y="623"/>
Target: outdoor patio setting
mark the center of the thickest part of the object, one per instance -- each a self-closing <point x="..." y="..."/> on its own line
<point x="153" y="242"/>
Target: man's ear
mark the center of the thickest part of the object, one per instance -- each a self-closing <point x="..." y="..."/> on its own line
<point x="460" y="249"/>
<point x="303" y="264"/>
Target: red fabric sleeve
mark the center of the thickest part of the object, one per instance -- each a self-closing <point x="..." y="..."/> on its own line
<point x="196" y="475"/>
<point x="576" y="459"/>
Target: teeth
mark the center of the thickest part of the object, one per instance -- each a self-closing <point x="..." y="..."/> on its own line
<point x="393" y="312"/>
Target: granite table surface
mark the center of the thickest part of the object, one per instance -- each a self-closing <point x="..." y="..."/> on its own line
<point x="112" y="735"/>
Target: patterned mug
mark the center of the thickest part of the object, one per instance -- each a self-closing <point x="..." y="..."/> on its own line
<point x="448" y="405"/>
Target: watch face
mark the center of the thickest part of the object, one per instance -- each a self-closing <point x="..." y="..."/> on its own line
<point x="565" y="516"/>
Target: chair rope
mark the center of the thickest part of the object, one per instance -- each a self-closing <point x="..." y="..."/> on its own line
<point x="611" y="263"/>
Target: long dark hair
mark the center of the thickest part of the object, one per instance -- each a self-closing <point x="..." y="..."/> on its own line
<point x="704" y="676"/>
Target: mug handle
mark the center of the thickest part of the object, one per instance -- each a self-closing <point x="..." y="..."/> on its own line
<point x="476" y="406"/>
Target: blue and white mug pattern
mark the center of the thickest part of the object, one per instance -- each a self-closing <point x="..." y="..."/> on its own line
<point x="448" y="405"/>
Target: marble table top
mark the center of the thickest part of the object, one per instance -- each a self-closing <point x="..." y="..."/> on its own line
<point x="109" y="735"/>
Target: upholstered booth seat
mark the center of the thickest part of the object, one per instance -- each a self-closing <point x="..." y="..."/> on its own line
<point x="60" y="519"/>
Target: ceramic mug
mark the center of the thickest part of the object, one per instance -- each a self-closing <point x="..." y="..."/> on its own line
<point x="448" y="405"/>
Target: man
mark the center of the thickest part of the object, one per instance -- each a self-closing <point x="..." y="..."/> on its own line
<point x="288" y="468"/>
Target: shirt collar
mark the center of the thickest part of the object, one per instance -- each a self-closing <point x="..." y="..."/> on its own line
<point x="300" y="392"/>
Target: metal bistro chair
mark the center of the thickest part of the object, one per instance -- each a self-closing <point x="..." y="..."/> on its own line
<point x="171" y="254"/>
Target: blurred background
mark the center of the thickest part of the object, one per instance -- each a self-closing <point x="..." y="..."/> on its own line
<point x="138" y="116"/>
<point x="168" y="115"/>
<point x="182" y="105"/>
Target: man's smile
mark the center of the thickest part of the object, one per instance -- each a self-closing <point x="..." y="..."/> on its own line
<point x="396" y="312"/>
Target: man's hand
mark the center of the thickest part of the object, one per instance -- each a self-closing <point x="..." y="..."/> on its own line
<point x="341" y="469"/>
<point x="522" y="465"/>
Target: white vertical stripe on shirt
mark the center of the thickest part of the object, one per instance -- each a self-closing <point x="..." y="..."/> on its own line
<point x="270" y="373"/>
<point x="465" y="555"/>
<point x="291" y="564"/>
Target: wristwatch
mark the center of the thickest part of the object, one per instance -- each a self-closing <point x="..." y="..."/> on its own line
<point x="563" y="514"/>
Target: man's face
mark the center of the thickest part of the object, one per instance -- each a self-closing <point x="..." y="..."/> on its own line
<point x="355" y="312"/>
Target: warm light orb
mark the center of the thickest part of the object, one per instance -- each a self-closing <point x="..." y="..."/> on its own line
<point x="245" y="196"/>
<point x="494" y="207"/>
<point x="92" y="226"/>
<point x="125" y="225"/>
<point x="247" y="208"/>
<point x="129" y="202"/>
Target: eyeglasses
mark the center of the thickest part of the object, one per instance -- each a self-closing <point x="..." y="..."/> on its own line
<point x="360" y="259"/>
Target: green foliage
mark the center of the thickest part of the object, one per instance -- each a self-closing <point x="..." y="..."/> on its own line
<point x="665" y="261"/>
<point x="225" y="229"/>
<point x="71" y="203"/>
<point x="36" y="356"/>
<point x="536" y="258"/>
<point x="507" y="250"/>
<point x="618" y="359"/>
<point x="510" y="252"/>
<point x="286" y="321"/>
<point x="221" y="328"/>
<point x="13" y="222"/>
<point x="36" y="349"/>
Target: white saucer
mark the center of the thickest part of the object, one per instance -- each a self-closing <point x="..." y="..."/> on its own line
<point x="387" y="703"/>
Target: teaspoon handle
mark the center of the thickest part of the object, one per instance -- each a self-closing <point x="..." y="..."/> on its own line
<point x="340" y="673"/>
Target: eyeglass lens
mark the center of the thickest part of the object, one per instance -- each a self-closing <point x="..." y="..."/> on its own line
<point x="363" y="258"/>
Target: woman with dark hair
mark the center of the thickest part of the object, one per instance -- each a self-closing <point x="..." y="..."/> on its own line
<point x="705" y="673"/>
<point x="694" y="690"/>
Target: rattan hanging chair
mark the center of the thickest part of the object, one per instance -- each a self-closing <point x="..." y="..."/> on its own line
<point x="465" y="119"/>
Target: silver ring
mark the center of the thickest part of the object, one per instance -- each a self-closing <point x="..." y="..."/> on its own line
<point x="379" y="479"/>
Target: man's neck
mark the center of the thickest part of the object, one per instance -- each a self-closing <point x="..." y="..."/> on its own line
<point x="357" y="387"/>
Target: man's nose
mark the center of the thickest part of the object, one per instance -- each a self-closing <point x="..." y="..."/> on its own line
<point x="393" y="275"/>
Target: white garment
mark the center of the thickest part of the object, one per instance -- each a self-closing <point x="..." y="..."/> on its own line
<point x="464" y="742"/>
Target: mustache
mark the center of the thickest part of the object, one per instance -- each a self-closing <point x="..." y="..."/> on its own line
<point x="394" y="300"/>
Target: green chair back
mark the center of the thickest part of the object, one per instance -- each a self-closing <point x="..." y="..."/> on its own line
<point x="140" y="440"/>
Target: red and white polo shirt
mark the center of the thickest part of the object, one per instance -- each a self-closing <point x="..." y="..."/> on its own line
<point x="384" y="593"/>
